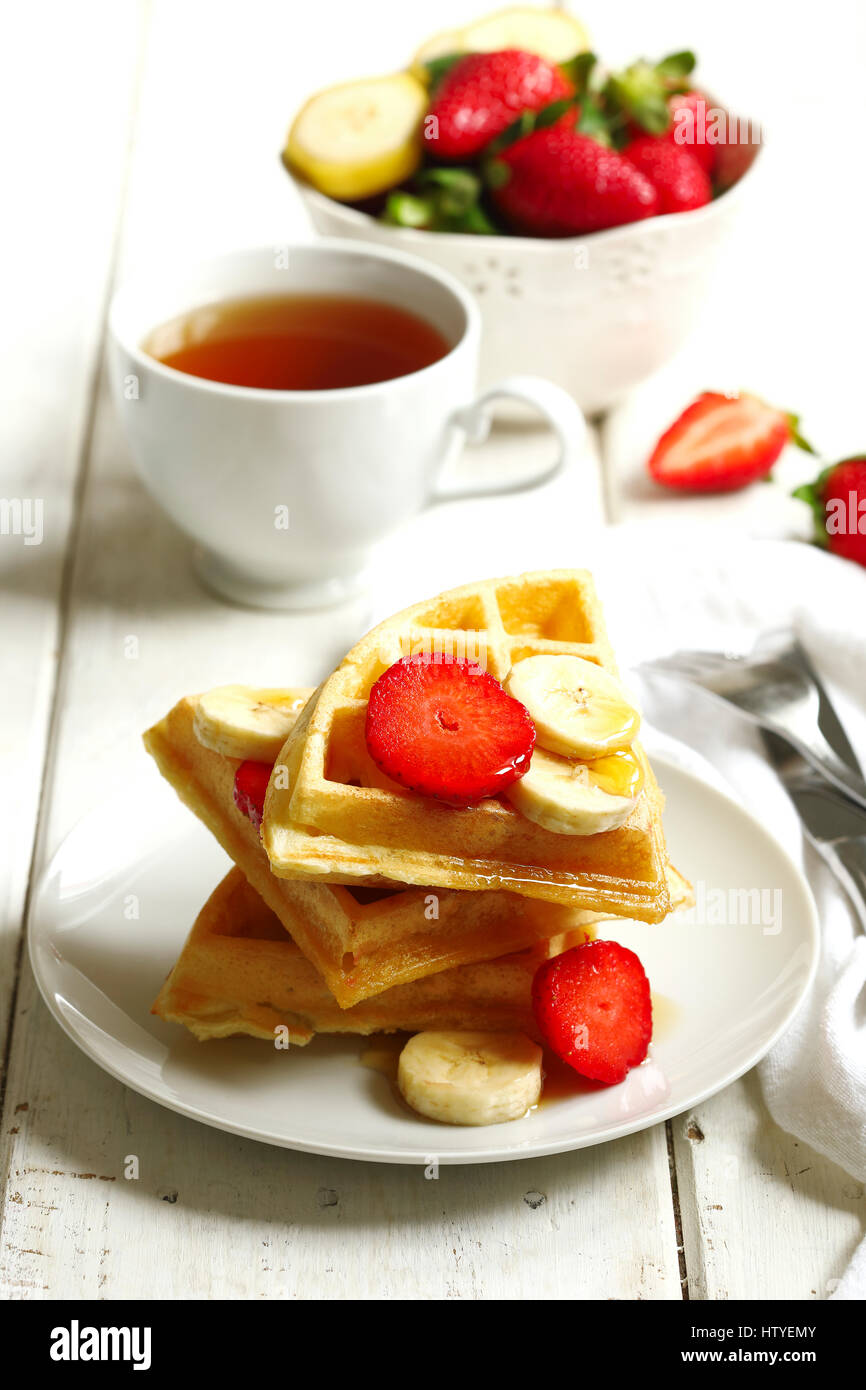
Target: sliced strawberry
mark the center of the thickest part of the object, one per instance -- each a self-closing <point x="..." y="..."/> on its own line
<point x="441" y="726"/>
<point x="251" y="783"/>
<point x="481" y="94"/>
<point x="722" y="442"/>
<point x="592" y="1005"/>
<point x="838" y="500"/>
<point x="681" y="182"/>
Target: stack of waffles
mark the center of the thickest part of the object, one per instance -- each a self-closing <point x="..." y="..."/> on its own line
<point x="358" y="905"/>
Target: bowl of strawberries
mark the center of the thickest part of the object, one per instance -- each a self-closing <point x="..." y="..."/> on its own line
<point x="584" y="208"/>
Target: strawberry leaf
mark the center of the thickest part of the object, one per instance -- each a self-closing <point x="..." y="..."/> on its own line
<point x="813" y="495"/>
<point x="676" y="66"/>
<point x="496" y="173"/>
<point x="405" y="210"/>
<point x="550" y="114"/>
<point x="475" y="220"/>
<point x="579" y="71"/>
<point x="455" y="190"/>
<point x="437" y="68"/>
<point x="595" y="122"/>
<point x="528" y="121"/>
<point x="797" y="437"/>
<point x="524" y="125"/>
<point x="441" y="200"/>
<point x="639" y="94"/>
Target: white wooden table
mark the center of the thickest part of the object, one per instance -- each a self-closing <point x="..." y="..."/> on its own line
<point x="134" y="131"/>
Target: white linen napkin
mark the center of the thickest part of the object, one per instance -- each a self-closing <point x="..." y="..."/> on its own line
<point x="721" y="594"/>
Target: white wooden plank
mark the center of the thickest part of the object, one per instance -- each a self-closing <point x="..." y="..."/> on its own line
<point x="763" y="1215"/>
<point x="62" y="174"/>
<point x="212" y="1216"/>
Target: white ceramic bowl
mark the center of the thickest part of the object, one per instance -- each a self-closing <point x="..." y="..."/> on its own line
<point x="596" y="314"/>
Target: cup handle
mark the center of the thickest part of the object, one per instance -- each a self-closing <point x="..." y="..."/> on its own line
<point x="554" y="404"/>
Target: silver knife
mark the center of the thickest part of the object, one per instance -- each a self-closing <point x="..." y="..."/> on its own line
<point x="833" y="824"/>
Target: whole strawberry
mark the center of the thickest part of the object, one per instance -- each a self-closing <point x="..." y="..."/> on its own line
<point x="838" y="500"/>
<point x="694" y="128"/>
<point x="593" y="1008"/>
<point x="480" y="96"/>
<point x="681" y="182"/>
<point x="557" y="182"/>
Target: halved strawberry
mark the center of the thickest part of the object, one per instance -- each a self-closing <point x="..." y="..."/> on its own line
<point x="442" y="726"/>
<point x="251" y="783"/>
<point x="722" y="442"/>
<point x="592" y="1005"/>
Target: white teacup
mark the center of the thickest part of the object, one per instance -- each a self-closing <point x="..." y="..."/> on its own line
<point x="287" y="492"/>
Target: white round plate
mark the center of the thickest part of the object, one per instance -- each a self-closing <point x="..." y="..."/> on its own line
<point x="114" y="906"/>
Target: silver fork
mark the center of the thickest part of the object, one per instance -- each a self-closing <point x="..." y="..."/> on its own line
<point x="776" y="687"/>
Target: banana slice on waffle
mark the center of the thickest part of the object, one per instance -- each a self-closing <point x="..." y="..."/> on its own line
<point x="569" y="797"/>
<point x="578" y="709"/>
<point x="243" y="721"/>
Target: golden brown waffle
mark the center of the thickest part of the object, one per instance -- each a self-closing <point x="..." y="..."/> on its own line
<point x="331" y="815"/>
<point x="240" y="973"/>
<point x="362" y="941"/>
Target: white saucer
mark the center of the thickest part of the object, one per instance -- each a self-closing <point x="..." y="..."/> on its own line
<point x="725" y="991"/>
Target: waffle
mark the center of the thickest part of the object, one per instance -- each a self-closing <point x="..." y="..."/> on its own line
<point x="361" y="940"/>
<point x="240" y="973"/>
<point x="330" y="814"/>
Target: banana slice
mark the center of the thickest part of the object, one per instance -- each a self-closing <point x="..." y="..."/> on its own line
<point x="242" y="721"/>
<point x="551" y="34"/>
<point x="575" y="798"/>
<point x="578" y="709"/>
<point x="470" y="1078"/>
<point x="360" y="138"/>
<point x="441" y="45"/>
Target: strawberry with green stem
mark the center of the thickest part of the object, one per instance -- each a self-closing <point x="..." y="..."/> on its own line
<point x="479" y="95"/>
<point x="838" y="501"/>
